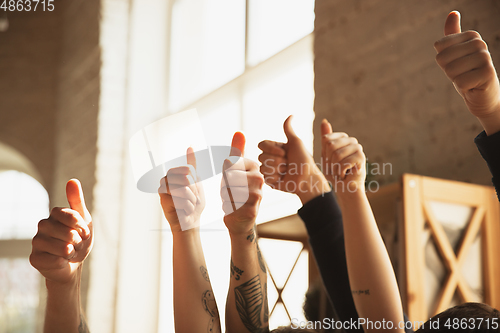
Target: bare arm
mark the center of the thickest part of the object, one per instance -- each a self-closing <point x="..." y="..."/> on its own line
<point x="62" y="243"/>
<point x="246" y="307"/>
<point x="182" y="201"/>
<point x="466" y="61"/>
<point x="195" y="309"/>
<point x="371" y="276"/>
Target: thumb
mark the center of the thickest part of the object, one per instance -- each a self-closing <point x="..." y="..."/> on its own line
<point x="289" y="132"/>
<point x="191" y="161"/>
<point x="191" y="157"/>
<point x="74" y="194"/>
<point x="452" y="24"/>
<point x="238" y="144"/>
<point x="326" y="127"/>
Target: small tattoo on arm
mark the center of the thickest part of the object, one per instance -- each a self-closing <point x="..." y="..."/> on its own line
<point x="262" y="263"/>
<point x="251" y="236"/>
<point x="204" y="273"/>
<point x="235" y="271"/>
<point x="83" y="328"/>
<point x="361" y="292"/>
<point x="250" y="301"/>
<point x="210" y="306"/>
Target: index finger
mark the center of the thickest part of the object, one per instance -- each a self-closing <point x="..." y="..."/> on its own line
<point x="450" y="40"/>
<point x="272" y="147"/>
<point x="71" y="218"/>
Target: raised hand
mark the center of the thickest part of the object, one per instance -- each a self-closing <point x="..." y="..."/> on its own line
<point x="290" y="168"/>
<point x="181" y="195"/>
<point x="241" y="189"/>
<point x="64" y="239"/>
<point x="465" y="59"/>
<point x="343" y="160"/>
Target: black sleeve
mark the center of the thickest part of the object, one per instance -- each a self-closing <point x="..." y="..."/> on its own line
<point x="489" y="147"/>
<point x="323" y="221"/>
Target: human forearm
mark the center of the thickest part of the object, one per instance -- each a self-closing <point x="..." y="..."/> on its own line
<point x="195" y="308"/>
<point x="63" y="313"/>
<point x="491" y="123"/>
<point x="312" y="187"/>
<point x="372" y="279"/>
<point x="246" y="307"/>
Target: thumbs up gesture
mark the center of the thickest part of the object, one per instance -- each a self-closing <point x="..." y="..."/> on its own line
<point x="343" y="160"/>
<point x="64" y="239"/>
<point x="181" y="195"/>
<point x="241" y="189"/>
<point x="289" y="167"/>
<point x="465" y="59"/>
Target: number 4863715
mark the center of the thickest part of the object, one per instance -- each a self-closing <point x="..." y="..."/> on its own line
<point x="27" y="5"/>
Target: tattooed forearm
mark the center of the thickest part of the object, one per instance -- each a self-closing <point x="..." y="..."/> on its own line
<point x="266" y="306"/>
<point x="83" y="328"/>
<point x="361" y="292"/>
<point x="235" y="271"/>
<point x="262" y="263"/>
<point x="251" y="236"/>
<point x="210" y="306"/>
<point x="204" y="273"/>
<point x="250" y="301"/>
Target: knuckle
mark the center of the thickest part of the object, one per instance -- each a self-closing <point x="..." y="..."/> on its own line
<point x="32" y="260"/>
<point x="254" y="196"/>
<point x="472" y="34"/>
<point x="354" y="140"/>
<point x="440" y="59"/>
<point x="74" y="236"/>
<point x="337" y="154"/>
<point x="484" y="56"/>
<point x="479" y="44"/>
<point x="43" y="225"/>
<point x="331" y="146"/>
<point x="35" y="242"/>
<point x="55" y="210"/>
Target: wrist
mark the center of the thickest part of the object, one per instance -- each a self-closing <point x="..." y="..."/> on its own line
<point x="186" y="234"/>
<point x="311" y="188"/>
<point x="73" y="284"/>
<point x="243" y="233"/>
<point x="351" y="193"/>
<point x="491" y="122"/>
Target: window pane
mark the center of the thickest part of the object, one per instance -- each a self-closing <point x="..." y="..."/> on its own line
<point x="23" y="202"/>
<point x="276" y="24"/>
<point x="296" y="288"/>
<point x="19" y="290"/>
<point x="279" y="317"/>
<point x="280" y="255"/>
<point x="207" y="48"/>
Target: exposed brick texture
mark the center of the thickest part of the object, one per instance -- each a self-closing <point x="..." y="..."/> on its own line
<point x="376" y="79"/>
<point x="28" y="62"/>
<point x="49" y="94"/>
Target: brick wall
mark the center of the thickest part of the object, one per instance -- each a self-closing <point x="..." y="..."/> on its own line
<point x="77" y="103"/>
<point x="49" y="95"/>
<point x="28" y="61"/>
<point x="376" y="79"/>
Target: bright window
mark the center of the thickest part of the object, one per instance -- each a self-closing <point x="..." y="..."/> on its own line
<point x="23" y="202"/>
<point x="244" y="65"/>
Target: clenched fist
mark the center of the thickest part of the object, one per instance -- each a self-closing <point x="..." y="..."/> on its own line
<point x="64" y="239"/>
<point x="241" y="189"/>
<point x="181" y="196"/>
<point x="343" y="160"/>
<point x="466" y="61"/>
